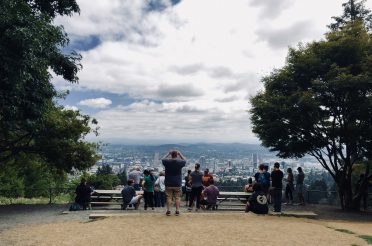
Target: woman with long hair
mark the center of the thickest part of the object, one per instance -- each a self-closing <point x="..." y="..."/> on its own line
<point x="289" y="187"/>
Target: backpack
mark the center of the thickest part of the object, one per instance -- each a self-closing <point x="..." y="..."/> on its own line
<point x="74" y="207"/>
<point x="263" y="180"/>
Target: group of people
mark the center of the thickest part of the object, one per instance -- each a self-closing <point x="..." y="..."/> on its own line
<point x="199" y="187"/>
<point x="153" y="191"/>
<point x="157" y="191"/>
<point x="268" y="188"/>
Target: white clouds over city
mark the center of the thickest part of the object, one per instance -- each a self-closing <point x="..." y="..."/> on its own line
<point x="190" y="68"/>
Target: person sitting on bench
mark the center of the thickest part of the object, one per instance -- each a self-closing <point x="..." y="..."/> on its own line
<point x="129" y="196"/>
<point x="211" y="194"/>
<point x="83" y="193"/>
<point x="257" y="203"/>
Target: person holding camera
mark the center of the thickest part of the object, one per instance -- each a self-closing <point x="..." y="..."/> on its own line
<point x="173" y="178"/>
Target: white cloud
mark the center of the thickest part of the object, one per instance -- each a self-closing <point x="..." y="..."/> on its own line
<point x="175" y="122"/>
<point x="68" y="107"/>
<point x="96" y="102"/>
<point x="197" y="61"/>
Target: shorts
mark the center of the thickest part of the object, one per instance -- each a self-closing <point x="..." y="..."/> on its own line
<point x="134" y="200"/>
<point x="173" y="192"/>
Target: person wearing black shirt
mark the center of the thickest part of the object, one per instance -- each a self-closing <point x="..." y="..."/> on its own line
<point x="276" y="178"/>
<point x="83" y="193"/>
<point x="187" y="187"/>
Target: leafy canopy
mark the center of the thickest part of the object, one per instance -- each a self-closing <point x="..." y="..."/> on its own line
<point x="30" y="47"/>
<point x="320" y="101"/>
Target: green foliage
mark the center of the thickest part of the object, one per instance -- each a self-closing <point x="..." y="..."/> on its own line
<point x="104" y="170"/>
<point x="320" y="103"/>
<point x="321" y="95"/>
<point x="318" y="185"/>
<point x="103" y="181"/>
<point x="29" y="176"/>
<point x="30" y="45"/>
<point x="345" y="231"/>
<point x="60" y="140"/>
<point x="353" y="10"/>
<point x="367" y="238"/>
<point x="11" y="181"/>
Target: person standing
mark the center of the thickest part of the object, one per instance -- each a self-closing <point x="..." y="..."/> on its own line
<point x="187" y="187"/>
<point x="263" y="178"/>
<point x="173" y="178"/>
<point x="136" y="174"/>
<point x="300" y="186"/>
<point x="206" y="177"/>
<point x="289" y="188"/>
<point x="148" y="189"/>
<point x="277" y="186"/>
<point x="160" y="194"/>
<point x="196" y="187"/>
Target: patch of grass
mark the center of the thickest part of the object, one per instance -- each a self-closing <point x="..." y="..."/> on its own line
<point x="60" y="199"/>
<point x="354" y="245"/>
<point x="367" y="238"/>
<point x="345" y="231"/>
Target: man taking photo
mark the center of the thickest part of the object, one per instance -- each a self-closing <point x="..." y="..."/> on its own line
<point x="173" y="178"/>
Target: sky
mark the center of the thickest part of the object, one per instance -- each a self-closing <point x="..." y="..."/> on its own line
<point x="171" y="71"/>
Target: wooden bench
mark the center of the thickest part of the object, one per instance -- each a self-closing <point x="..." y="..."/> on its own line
<point x="108" y="197"/>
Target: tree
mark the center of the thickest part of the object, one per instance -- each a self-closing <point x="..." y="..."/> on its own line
<point x="104" y="170"/>
<point x="30" y="45"/>
<point x="353" y="10"/>
<point x="30" y="120"/>
<point x="60" y="139"/>
<point x="123" y="177"/>
<point x="320" y="103"/>
<point x="104" y="178"/>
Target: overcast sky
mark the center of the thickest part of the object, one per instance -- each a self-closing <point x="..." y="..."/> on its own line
<point x="162" y="71"/>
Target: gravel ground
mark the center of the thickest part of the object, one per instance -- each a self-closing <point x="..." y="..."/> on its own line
<point x="17" y="215"/>
<point x="48" y="225"/>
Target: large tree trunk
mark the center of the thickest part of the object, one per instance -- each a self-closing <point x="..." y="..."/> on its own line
<point x="345" y="192"/>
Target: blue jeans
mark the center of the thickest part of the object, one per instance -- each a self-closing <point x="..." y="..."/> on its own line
<point x="277" y="197"/>
<point x="159" y="199"/>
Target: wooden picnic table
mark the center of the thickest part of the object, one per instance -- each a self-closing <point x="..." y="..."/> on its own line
<point x="231" y="195"/>
<point x="102" y="196"/>
<point x="111" y="193"/>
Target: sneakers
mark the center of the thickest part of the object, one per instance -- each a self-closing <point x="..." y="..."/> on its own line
<point x="168" y="213"/>
<point x="189" y="209"/>
<point x="177" y="213"/>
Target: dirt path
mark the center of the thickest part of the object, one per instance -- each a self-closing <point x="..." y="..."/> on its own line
<point x="188" y="229"/>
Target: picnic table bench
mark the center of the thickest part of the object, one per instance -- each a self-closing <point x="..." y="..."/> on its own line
<point x="108" y="197"/>
<point x="231" y="196"/>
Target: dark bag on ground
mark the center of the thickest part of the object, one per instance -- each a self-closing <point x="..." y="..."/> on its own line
<point x="74" y="207"/>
